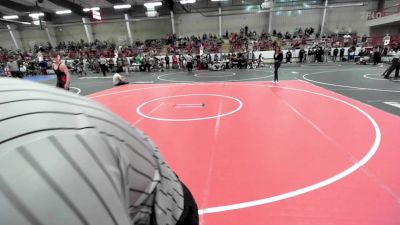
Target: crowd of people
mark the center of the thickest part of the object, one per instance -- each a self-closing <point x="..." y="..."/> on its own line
<point x="199" y="52"/>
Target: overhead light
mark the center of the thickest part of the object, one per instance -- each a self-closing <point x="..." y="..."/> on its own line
<point x="27" y="23"/>
<point x="36" y="15"/>
<point x="219" y="0"/>
<point x="187" y="1"/>
<point x="91" y="9"/>
<point x="151" y="5"/>
<point x="63" y="12"/>
<point x="151" y="13"/>
<point x="10" y="17"/>
<point x="346" y="5"/>
<point x="122" y="6"/>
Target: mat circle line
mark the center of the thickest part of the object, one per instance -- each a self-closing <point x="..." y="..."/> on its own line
<point x="229" y="74"/>
<point x="345" y="86"/>
<point x="374" y="78"/>
<point x="315" y="186"/>
<point x="373" y="149"/>
<point x="78" y="90"/>
<point x="138" y="109"/>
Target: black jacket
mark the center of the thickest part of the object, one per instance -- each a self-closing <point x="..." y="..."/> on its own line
<point x="279" y="57"/>
<point x="335" y="52"/>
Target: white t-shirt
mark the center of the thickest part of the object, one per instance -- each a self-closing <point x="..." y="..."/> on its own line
<point x="117" y="79"/>
<point x="103" y="61"/>
<point x="346" y="37"/>
<point x="40" y="56"/>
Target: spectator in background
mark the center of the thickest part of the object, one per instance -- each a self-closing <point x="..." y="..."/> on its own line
<point x="13" y="66"/>
<point x="216" y="58"/>
<point x="310" y="53"/>
<point x="174" y="62"/>
<point x="288" y="56"/>
<point x="181" y="59"/>
<point x="43" y="67"/>
<point x="167" y="61"/>
<point x="327" y="53"/>
<point x="138" y="60"/>
<point x="301" y="54"/>
<point x="22" y="69"/>
<point x="341" y="54"/>
<point x="385" y="51"/>
<point x="335" y="54"/>
<point x="376" y="55"/>
<point x="350" y="54"/>
<point x="120" y="65"/>
<point x="346" y="39"/>
<point x="320" y="54"/>
<point x="355" y="40"/>
<point x="364" y="38"/>
<point x="125" y="65"/>
<point x="189" y="62"/>
<point x="7" y="72"/>
<point x="111" y="64"/>
<point x="103" y="65"/>
<point x="146" y="63"/>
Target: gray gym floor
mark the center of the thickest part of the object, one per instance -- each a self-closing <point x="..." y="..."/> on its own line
<point x="359" y="82"/>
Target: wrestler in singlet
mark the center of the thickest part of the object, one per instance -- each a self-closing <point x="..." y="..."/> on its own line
<point x="61" y="73"/>
<point x="61" y="77"/>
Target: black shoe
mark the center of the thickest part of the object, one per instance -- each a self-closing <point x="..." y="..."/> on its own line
<point x="386" y="77"/>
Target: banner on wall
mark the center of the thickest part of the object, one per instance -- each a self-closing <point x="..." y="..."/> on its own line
<point x="375" y="15"/>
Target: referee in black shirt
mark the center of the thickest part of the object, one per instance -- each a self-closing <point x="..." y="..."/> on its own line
<point x="278" y="58"/>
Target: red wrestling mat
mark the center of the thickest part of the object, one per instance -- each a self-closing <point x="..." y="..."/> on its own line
<point x="258" y="153"/>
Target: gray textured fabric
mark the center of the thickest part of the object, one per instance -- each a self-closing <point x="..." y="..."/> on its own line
<point x="66" y="160"/>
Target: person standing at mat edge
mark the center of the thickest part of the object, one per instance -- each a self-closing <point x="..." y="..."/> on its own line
<point x="62" y="72"/>
<point x="278" y="58"/>
<point x="395" y="66"/>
